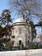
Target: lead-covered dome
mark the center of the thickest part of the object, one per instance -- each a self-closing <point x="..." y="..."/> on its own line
<point x="19" y="20"/>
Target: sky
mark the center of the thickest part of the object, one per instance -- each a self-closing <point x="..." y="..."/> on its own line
<point x="4" y="4"/>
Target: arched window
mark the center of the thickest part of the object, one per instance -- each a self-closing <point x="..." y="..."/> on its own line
<point x="20" y="42"/>
<point x="13" y="36"/>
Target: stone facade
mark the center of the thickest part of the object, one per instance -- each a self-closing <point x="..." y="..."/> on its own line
<point x="21" y="32"/>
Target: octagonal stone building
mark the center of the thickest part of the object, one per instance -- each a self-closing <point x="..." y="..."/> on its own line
<point x="21" y="32"/>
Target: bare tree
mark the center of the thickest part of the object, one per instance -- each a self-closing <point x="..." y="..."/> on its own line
<point x="26" y="7"/>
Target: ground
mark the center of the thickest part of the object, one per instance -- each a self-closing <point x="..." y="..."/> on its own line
<point x="36" y="52"/>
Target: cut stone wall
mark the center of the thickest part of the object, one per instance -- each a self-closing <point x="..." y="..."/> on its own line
<point x="21" y="31"/>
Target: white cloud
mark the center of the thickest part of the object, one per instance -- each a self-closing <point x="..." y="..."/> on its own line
<point x="18" y="20"/>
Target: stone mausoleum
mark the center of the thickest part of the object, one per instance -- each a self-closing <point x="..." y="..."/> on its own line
<point x="21" y="32"/>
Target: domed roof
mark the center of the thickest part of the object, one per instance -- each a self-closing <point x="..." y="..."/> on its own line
<point x="19" y="20"/>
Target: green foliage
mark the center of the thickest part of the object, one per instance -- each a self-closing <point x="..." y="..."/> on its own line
<point x="34" y="46"/>
<point x="5" y="19"/>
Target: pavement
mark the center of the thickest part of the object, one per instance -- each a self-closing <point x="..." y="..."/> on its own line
<point x="32" y="52"/>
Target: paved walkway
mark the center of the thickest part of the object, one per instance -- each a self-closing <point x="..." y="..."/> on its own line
<point x="37" y="52"/>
